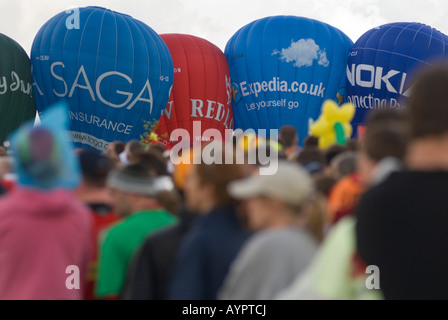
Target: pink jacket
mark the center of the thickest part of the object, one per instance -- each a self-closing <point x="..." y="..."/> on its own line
<point x="41" y="234"/>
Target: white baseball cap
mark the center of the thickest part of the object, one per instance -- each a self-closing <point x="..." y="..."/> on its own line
<point x="291" y="184"/>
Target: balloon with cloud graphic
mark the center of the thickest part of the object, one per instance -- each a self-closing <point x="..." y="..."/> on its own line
<point x="382" y="62"/>
<point x="282" y="69"/>
<point x="114" y="72"/>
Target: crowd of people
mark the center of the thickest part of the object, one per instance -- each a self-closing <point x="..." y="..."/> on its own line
<point x="362" y="220"/>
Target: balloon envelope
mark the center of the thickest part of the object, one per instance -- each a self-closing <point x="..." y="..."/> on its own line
<point x="16" y="93"/>
<point x="115" y="73"/>
<point x="282" y="69"/>
<point x="201" y="92"/>
<point x="382" y="61"/>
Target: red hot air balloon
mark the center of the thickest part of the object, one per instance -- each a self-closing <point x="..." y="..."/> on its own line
<point x="201" y="91"/>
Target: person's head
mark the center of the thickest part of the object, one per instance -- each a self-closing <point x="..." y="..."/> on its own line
<point x="385" y="114"/>
<point x="288" y="136"/>
<point x="344" y="164"/>
<point x="132" y="152"/>
<point x="324" y="183"/>
<point x="275" y="200"/>
<point x="95" y="168"/>
<point x="387" y="139"/>
<point x="41" y="160"/>
<point x="426" y="108"/>
<point x="353" y="145"/>
<point x="113" y="152"/>
<point x="312" y="159"/>
<point x="156" y="147"/>
<point x="155" y="162"/>
<point x="332" y="151"/>
<point x="386" y="136"/>
<point x="311" y="142"/>
<point x="206" y="184"/>
<point x="133" y="189"/>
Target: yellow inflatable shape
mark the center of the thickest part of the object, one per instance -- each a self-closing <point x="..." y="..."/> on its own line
<point x="333" y="125"/>
<point x="249" y="142"/>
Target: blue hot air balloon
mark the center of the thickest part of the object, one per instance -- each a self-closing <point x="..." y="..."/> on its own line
<point x="114" y="72"/>
<point x="282" y="69"/>
<point x="382" y="62"/>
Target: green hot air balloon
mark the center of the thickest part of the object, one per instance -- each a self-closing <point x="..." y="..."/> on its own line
<point x="16" y="87"/>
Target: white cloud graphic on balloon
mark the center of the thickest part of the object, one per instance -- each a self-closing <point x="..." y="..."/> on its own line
<point x="303" y="53"/>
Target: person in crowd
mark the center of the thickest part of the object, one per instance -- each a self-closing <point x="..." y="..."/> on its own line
<point x="7" y="176"/>
<point x="353" y="145"/>
<point x="337" y="271"/>
<point x="216" y="236"/>
<point x="135" y="199"/>
<point x="114" y="150"/>
<point x="332" y="151"/>
<point x="289" y="138"/>
<point x="311" y="142"/>
<point x="45" y="230"/>
<point x="93" y="191"/>
<point x="132" y="152"/>
<point x="312" y="159"/>
<point x="344" y="197"/>
<point x="281" y="246"/>
<point x="324" y="183"/>
<point x="150" y="272"/>
<point x="401" y="223"/>
<point x="343" y="164"/>
<point x="155" y="162"/>
<point x="164" y="152"/>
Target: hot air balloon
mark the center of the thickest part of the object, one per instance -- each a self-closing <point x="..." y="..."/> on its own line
<point x="382" y="61"/>
<point x="16" y="87"/>
<point x="201" y="94"/>
<point x="114" y="72"/>
<point x="282" y="69"/>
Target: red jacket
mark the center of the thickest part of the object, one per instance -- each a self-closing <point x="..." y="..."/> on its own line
<point x="41" y="234"/>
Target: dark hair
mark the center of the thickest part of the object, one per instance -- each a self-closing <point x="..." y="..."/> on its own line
<point x="309" y="155"/>
<point x="344" y="164"/>
<point x="154" y="162"/>
<point x="311" y="142"/>
<point x="134" y="150"/>
<point x="118" y="147"/>
<point x="324" y="183"/>
<point x="383" y="139"/>
<point x="288" y="135"/>
<point x="156" y="147"/>
<point x="170" y="200"/>
<point x="220" y="175"/>
<point x="383" y="114"/>
<point x="95" y="167"/>
<point x="427" y="105"/>
<point x="332" y="151"/>
<point x="353" y="145"/>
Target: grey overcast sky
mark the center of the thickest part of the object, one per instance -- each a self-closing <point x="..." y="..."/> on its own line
<point x="217" y="20"/>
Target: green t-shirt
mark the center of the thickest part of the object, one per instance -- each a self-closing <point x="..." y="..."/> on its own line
<point x="119" y="242"/>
